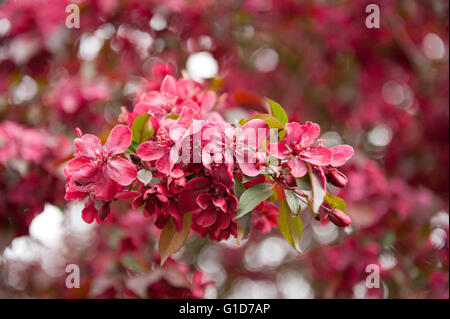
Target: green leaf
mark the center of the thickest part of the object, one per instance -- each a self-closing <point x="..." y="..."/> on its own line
<point x="271" y="121"/>
<point x="132" y="148"/>
<point x="291" y="227"/>
<point x="318" y="191"/>
<point x="244" y="226"/>
<point x="278" y="112"/>
<point x="336" y="202"/>
<point x="293" y="201"/>
<point x="238" y="187"/>
<point x="173" y="116"/>
<point x="142" y="128"/>
<point x="252" y="197"/>
<point x="170" y="240"/>
<point x="145" y="176"/>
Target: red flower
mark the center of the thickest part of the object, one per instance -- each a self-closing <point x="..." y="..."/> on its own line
<point x="297" y="146"/>
<point x="159" y="203"/>
<point x="163" y="147"/>
<point x="213" y="207"/>
<point x="97" y="165"/>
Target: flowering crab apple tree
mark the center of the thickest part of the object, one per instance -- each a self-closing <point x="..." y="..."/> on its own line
<point x="187" y="168"/>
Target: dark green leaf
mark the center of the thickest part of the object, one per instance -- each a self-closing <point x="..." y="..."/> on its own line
<point x="252" y="197"/>
<point x="238" y="187"/>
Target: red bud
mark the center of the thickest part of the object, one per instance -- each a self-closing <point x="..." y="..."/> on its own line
<point x="290" y="180"/>
<point x="337" y="178"/>
<point x="135" y="158"/>
<point x="339" y="218"/>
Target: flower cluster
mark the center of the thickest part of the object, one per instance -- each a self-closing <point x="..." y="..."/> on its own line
<point x="186" y="166"/>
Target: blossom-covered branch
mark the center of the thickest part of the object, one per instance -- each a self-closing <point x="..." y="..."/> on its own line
<point x="188" y="168"/>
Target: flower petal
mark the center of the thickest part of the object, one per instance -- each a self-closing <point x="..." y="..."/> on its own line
<point x="89" y="145"/>
<point x="89" y="212"/>
<point x="309" y="133"/>
<point x="150" y="151"/>
<point x="208" y="101"/>
<point x="205" y="200"/>
<point x="169" y="85"/>
<point x="118" y="141"/>
<point x="278" y="150"/>
<point x="121" y="171"/>
<point x="248" y="162"/>
<point x="223" y="221"/>
<point x="293" y="133"/>
<point x="221" y="203"/>
<point x="177" y="132"/>
<point x="187" y="199"/>
<point x="298" y="167"/>
<point x="320" y="156"/>
<point x="163" y="164"/>
<point x="81" y="169"/>
<point x="341" y="154"/>
<point x="105" y="188"/>
<point x="207" y="217"/>
<point x="253" y="134"/>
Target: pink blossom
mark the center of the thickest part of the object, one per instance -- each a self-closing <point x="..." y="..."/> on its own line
<point x="297" y="147"/>
<point x="99" y="165"/>
<point x="248" y="147"/>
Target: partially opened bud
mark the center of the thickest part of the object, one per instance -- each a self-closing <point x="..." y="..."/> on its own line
<point x="337" y="178"/>
<point x="339" y="218"/>
<point x="135" y="158"/>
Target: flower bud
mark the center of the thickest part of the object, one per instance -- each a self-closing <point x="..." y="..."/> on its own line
<point x="290" y="180"/>
<point x="135" y="158"/>
<point x="339" y="218"/>
<point x="337" y="178"/>
<point x="104" y="211"/>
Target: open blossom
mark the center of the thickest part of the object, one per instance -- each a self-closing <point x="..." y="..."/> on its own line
<point x="213" y="207"/>
<point x="100" y="165"/>
<point x="162" y="147"/>
<point x="159" y="203"/>
<point x="248" y="147"/>
<point x="297" y="147"/>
